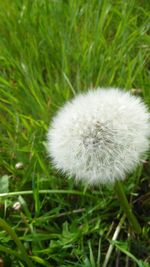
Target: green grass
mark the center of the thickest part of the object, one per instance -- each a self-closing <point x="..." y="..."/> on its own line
<point x="49" y="51"/>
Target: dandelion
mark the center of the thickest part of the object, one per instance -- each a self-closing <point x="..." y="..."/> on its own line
<point x="99" y="136"/>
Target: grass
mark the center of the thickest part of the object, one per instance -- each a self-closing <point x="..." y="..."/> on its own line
<point x="49" y="51"/>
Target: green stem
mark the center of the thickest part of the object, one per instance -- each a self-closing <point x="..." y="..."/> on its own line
<point x="126" y="207"/>
<point x="13" y="235"/>
<point x="46" y="191"/>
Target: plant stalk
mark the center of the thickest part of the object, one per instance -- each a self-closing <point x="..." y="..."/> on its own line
<point x="126" y="207"/>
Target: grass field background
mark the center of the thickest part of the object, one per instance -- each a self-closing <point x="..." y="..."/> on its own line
<point x="50" y="51"/>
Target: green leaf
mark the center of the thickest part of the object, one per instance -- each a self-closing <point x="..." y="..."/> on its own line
<point x="123" y="249"/>
<point x="4" y="184"/>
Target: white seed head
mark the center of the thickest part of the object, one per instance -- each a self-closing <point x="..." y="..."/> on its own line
<point x="99" y="136"/>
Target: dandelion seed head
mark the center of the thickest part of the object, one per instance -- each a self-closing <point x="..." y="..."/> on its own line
<point x="99" y="136"/>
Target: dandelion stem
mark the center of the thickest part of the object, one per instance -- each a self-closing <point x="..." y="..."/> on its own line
<point x="126" y="207"/>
